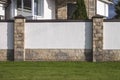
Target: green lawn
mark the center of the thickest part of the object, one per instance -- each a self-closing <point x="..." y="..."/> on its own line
<point x="59" y="71"/>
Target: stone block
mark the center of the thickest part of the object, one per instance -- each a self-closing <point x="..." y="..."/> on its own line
<point x="6" y="55"/>
<point x="58" y="55"/>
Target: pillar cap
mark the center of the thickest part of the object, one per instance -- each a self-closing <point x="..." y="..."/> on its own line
<point x="19" y="17"/>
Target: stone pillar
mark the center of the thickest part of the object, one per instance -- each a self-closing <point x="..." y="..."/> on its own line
<point x="19" y="51"/>
<point x="97" y="38"/>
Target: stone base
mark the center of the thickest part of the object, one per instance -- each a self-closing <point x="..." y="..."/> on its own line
<point x="58" y="55"/>
<point x="6" y="55"/>
<point x="108" y="55"/>
<point x="62" y="55"/>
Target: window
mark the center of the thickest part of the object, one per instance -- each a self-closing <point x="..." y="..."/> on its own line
<point x="70" y="10"/>
<point x="38" y="7"/>
<point x="18" y="3"/>
<point x="26" y="4"/>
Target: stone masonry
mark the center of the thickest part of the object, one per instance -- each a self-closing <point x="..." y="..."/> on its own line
<point x="111" y="55"/>
<point x="90" y="8"/>
<point x="96" y="54"/>
<point x="58" y="55"/>
<point x="61" y="8"/>
<point x="97" y="38"/>
<point x="99" y="54"/>
<point x="6" y="55"/>
<point x="19" y="51"/>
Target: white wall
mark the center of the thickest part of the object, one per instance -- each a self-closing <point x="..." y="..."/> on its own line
<point x="25" y="12"/>
<point x="2" y="12"/>
<point x="111" y="36"/>
<point x="6" y="35"/>
<point x="58" y="35"/>
<point x="11" y="10"/>
<point x="49" y="9"/>
<point x="102" y="8"/>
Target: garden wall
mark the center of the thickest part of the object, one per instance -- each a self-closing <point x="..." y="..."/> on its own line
<point x="6" y="41"/>
<point x="60" y="40"/>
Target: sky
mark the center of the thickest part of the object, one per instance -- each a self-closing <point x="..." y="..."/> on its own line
<point x="111" y="9"/>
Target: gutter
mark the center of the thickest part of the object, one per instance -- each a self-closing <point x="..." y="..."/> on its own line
<point x="106" y="1"/>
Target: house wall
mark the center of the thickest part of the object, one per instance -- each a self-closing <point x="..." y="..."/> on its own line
<point x="2" y="12"/>
<point x="8" y="12"/>
<point x="61" y="8"/>
<point x="11" y="11"/>
<point x="102" y="8"/>
<point x="93" y="7"/>
<point x="49" y="9"/>
<point x="26" y="13"/>
<point x="90" y="8"/>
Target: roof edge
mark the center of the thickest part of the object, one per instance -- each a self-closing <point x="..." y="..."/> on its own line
<point x="107" y="1"/>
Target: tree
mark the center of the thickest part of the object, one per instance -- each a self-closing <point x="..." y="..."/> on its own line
<point x="80" y="11"/>
<point x="117" y="10"/>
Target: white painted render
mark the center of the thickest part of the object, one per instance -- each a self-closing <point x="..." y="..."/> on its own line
<point x="6" y="35"/>
<point x="2" y="11"/>
<point x="49" y="9"/>
<point x="58" y="35"/>
<point x="11" y="10"/>
<point x="25" y="12"/>
<point x="102" y="8"/>
<point x="111" y="35"/>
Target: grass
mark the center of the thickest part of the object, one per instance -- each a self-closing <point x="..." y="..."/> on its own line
<point x="59" y="71"/>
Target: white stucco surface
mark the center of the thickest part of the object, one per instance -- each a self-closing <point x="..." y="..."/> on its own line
<point x="2" y="12"/>
<point x="58" y="35"/>
<point x="111" y="35"/>
<point x="102" y="8"/>
<point x="6" y="35"/>
<point x="49" y="9"/>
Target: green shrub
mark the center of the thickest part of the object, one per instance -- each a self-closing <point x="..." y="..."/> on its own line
<point x="80" y="12"/>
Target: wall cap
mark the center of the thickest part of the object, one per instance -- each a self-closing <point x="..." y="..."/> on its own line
<point x="56" y="20"/>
